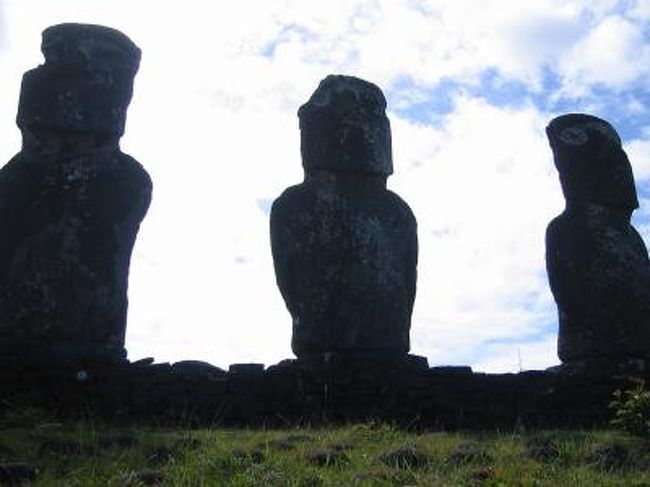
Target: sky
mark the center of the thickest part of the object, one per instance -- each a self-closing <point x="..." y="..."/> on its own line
<point x="470" y="85"/>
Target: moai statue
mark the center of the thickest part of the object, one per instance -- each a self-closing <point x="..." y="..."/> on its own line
<point x="597" y="263"/>
<point x="344" y="247"/>
<point x="71" y="203"/>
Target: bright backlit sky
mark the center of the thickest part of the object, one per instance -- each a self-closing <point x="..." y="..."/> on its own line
<point x="471" y="85"/>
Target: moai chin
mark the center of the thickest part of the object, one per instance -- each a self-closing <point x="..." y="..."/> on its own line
<point x="597" y="263"/>
<point x="344" y="247"/>
<point x="71" y="203"/>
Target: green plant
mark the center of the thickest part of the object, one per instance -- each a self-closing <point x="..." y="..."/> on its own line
<point x="632" y="409"/>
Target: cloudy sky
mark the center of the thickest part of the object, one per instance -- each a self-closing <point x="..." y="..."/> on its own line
<point x="471" y="85"/>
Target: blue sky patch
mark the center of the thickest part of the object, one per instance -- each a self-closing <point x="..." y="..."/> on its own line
<point x="264" y="204"/>
<point x="424" y="104"/>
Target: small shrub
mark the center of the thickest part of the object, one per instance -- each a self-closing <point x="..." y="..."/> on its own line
<point x="632" y="409"/>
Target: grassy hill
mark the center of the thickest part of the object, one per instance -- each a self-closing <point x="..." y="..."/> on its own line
<point x="51" y="452"/>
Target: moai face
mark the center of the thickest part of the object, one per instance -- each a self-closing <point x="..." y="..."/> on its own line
<point x="592" y="164"/>
<point x="82" y="91"/>
<point x="344" y="128"/>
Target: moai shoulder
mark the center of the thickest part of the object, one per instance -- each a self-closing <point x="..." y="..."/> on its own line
<point x="344" y="247"/>
<point x="597" y="262"/>
<point x="71" y="202"/>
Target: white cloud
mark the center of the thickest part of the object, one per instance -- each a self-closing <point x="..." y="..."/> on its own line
<point x="638" y="151"/>
<point x="612" y="54"/>
<point x="641" y="219"/>
<point x="3" y="26"/>
<point x="640" y="10"/>
<point x="483" y="188"/>
<point x="518" y="356"/>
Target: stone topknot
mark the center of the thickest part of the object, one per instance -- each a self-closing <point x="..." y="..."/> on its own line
<point x="84" y="86"/>
<point x="89" y="45"/>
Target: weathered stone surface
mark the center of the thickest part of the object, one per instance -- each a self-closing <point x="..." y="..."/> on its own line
<point x="344" y="247"/>
<point x="71" y="203"/>
<point x="597" y="263"/>
<point x="196" y="368"/>
<point x="247" y="369"/>
<point x="315" y="392"/>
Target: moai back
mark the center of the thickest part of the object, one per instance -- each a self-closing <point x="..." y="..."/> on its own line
<point x="344" y="247"/>
<point x="71" y="203"/>
<point x="597" y="263"/>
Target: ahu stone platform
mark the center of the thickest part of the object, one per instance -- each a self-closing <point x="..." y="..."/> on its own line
<point x="329" y="389"/>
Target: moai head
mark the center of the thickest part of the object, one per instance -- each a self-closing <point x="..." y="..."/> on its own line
<point x="592" y="164"/>
<point x="344" y="128"/>
<point x="81" y="92"/>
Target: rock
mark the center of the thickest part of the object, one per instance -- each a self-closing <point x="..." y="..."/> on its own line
<point x="246" y="369"/>
<point x="344" y="247"/>
<point x="280" y="444"/>
<point x="469" y="452"/>
<point x="327" y="457"/>
<point x="483" y="475"/>
<point x="144" y="477"/>
<point x="609" y="456"/>
<point x="452" y="370"/>
<point x="71" y="203"/>
<point x="597" y="263"/>
<point x="343" y="446"/>
<point x="255" y="456"/>
<point x="543" y="449"/>
<point x="405" y="457"/>
<point x="159" y="455"/>
<point x="197" y="368"/>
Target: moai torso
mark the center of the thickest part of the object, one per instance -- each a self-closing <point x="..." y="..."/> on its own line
<point x="344" y="247"/>
<point x="597" y="263"/>
<point x="71" y="203"/>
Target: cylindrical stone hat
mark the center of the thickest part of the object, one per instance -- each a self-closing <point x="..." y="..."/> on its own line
<point x="86" y="83"/>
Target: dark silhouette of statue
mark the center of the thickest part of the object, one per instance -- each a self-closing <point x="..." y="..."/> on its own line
<point x="597" y="263"/>
<point x="71" y="203"/>
<point x="344" y="247"/>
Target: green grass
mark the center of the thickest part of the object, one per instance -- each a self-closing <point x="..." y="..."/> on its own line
<point x="91" y="453"/>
